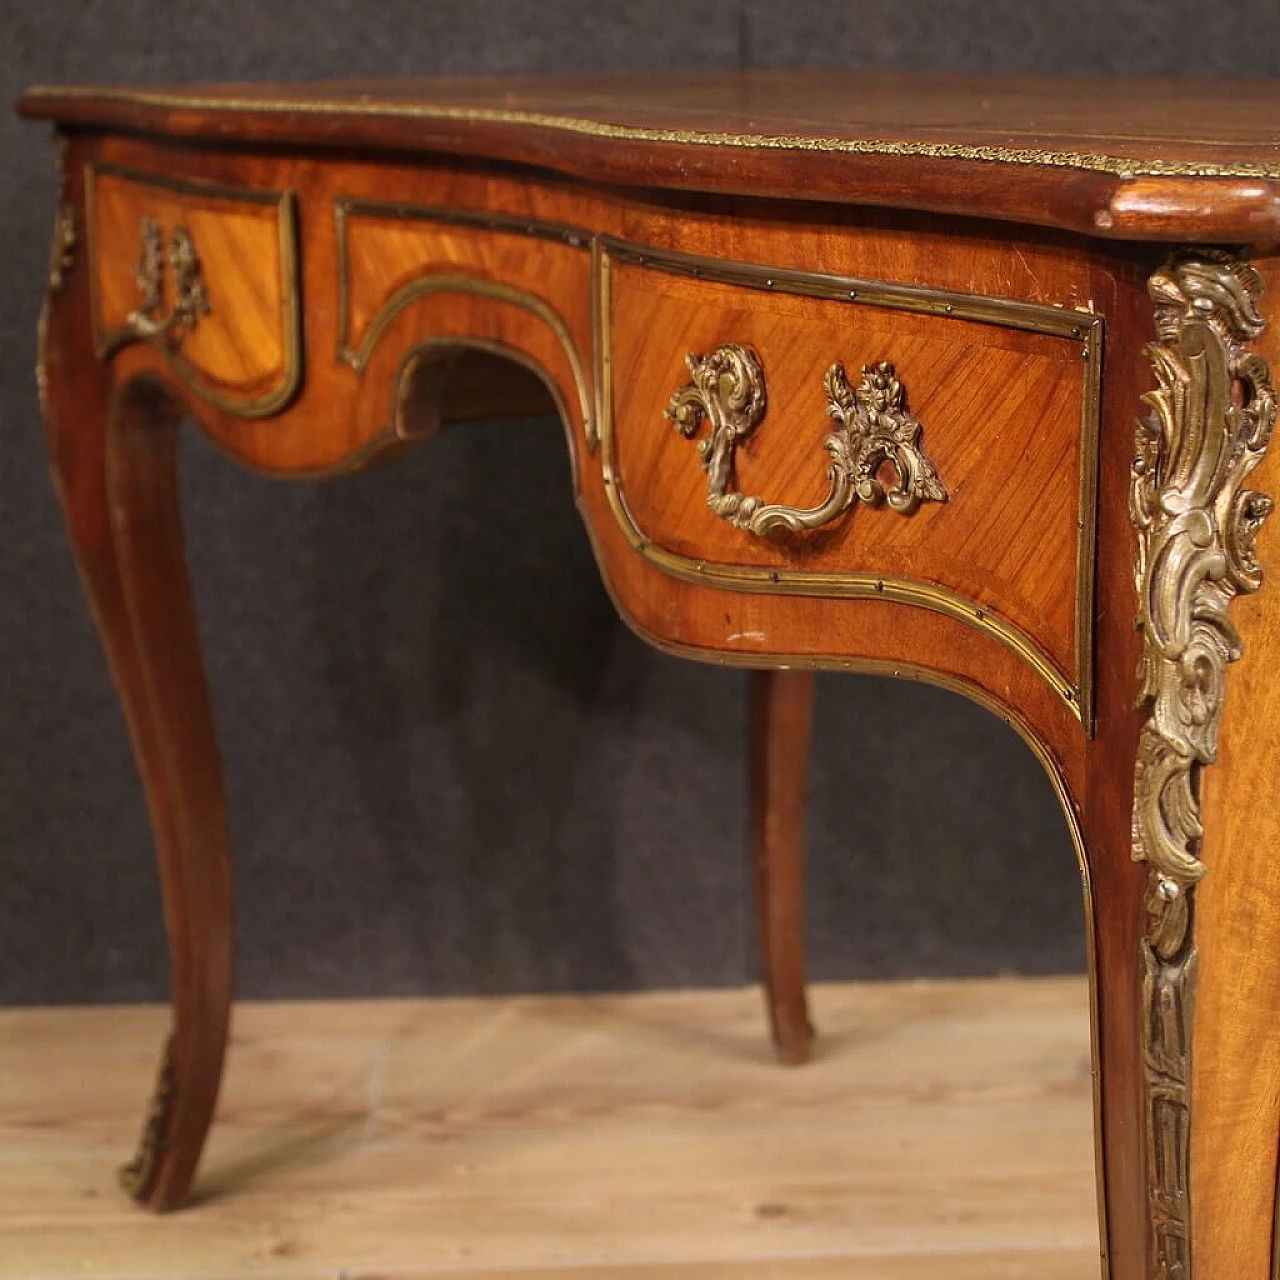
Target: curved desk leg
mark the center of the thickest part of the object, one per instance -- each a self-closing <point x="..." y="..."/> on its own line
<point x="113" y="463"/>
<point x="1180" y="819"/>
<point x="186" y="797"/>
<point x="781" y="720"/>
<point x="1190" y="1044"/>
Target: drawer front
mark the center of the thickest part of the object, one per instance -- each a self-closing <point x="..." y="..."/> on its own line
<point x="789" y="432"/>
<point x="206" y="275"/>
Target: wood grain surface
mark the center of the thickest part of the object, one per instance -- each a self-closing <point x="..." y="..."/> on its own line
<point x="1002" y="411"/>
<point x="942" y="1128"/>
<point x="416" y="269"/>
<point x="456" y="260"/>
<point x="244" y="345"/>
<point x="405" y="256"/>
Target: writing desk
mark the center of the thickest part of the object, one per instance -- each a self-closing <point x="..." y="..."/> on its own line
<point x="961" y="380"/>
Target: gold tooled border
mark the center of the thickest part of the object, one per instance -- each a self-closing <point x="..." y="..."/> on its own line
<point x="107" y="344"/>
<point x="357" y="356"/>
<point x="1092" y="162"/>
<point x="1079" y="326"/>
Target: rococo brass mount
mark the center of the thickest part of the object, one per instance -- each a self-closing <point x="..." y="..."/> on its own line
<point x="190" y="296"/>
<point x="874" y="433"/>
<point x="1212" y="416"/>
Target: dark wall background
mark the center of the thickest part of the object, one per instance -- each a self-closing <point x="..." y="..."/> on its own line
<point x="450" y="767"/>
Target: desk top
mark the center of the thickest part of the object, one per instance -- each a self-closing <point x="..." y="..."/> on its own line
<point x="1117" y="157"/>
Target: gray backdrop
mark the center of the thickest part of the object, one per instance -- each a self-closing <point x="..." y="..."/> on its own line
<point x="450" y="767"/>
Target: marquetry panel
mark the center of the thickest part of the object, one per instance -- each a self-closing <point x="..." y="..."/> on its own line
<point x="1007" y="398"/>
<point x="523" y="286"/>
<point x="228" y="316"/>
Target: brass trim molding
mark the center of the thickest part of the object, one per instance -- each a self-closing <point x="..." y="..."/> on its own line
<point x="1093" y="162"/>
<point x="453" y="216"/>
<point x="873" y="429"/>
<point x="1082" y="327"/>
<point x="1211" y="418"/>
<point x="357" y="356"/>
<point x="143" y="325"/>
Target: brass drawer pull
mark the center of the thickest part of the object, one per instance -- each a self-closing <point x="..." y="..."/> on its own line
<point x="872" y="429"/>
<point x="190" y="296"/>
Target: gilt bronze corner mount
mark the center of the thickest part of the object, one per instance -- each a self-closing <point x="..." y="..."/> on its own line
<point x="1211" y="419"/>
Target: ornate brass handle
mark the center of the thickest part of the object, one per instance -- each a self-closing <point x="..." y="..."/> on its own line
<point x="873" y="429"/>
<point x="190" y="297"/>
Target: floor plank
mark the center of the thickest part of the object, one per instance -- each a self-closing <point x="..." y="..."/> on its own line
<point x="943" y="1129"/>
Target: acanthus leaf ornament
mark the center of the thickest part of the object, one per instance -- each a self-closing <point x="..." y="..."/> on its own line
<point x="1212" y="415"/>
<point x="874" y="433"/>
<point x="190" y="294"/>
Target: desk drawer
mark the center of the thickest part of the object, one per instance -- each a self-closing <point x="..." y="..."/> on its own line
<point x="207" y="275"/>
<point x="792" y="432"/>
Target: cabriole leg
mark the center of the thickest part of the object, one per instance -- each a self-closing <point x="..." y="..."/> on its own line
<point x="781" y="721"/>
<point x="188" y="809"/>
<point x="113" y="465"/>
<point x="1191" y="1050"/>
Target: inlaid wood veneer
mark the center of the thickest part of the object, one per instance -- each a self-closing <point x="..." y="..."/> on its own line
<point x="959" y="380"/>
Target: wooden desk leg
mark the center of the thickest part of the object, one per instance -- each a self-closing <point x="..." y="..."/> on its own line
<point x="1191" y="1039"/>
<point x="781" y="720"/>
<point x="187" y="796"/>
<point x="1180" y="801"/>
<point x="113" y="465"/>
<point x="1235" y="1050"/>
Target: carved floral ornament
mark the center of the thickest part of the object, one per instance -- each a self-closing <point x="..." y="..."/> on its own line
<point x="1211" y="418"/>
<point x="874" y="435"/>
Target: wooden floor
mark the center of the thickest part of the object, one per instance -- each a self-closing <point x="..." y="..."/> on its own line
<point x="943" y="1131"/>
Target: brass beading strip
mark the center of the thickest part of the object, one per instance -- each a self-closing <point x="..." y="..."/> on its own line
<point x="1093" y="162"/>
